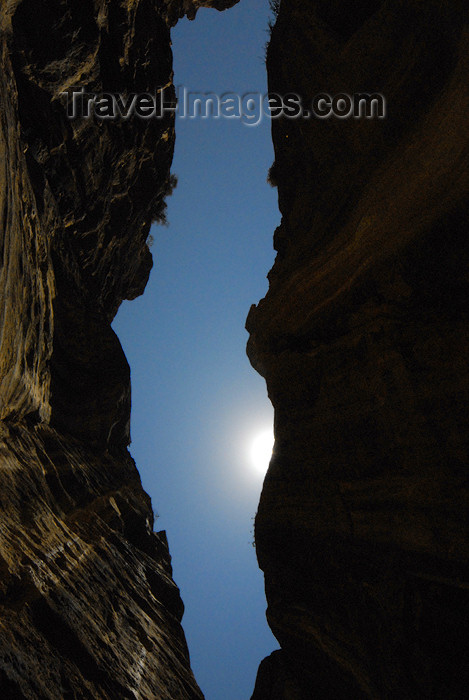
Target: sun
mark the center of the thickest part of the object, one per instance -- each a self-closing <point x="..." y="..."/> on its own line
<point x="261" y="450"/>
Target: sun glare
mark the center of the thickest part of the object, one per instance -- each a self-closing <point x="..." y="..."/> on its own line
<point x="261" y="450"/>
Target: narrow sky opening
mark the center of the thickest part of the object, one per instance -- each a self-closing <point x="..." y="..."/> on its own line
<point x="197" y="404"/>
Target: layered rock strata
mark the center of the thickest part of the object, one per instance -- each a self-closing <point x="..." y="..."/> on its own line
<point x="88" y="607"/>
<point x="362" y="527"/>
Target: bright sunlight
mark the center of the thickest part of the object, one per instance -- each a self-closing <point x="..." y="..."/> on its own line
<point x="261" y="450"/>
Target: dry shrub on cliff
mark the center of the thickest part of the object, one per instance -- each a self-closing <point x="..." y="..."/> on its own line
<point x="158" y="214"/>
<point x="275" y="9"/>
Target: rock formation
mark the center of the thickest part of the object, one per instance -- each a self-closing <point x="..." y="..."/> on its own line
<point x="362" y="527"/>
<point x="88" y="605"/>
<point x="362" y="338"/>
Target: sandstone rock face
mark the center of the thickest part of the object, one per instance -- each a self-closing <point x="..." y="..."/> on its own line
<point x="175" y="9"/>
<point x="362" y="527"/>
<point x="88" y="605"/>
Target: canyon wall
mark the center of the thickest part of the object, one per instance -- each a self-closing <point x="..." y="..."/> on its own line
<point x="362" y="525"/>
<point x="363" y="337"/>
<point x="88" y="607"/>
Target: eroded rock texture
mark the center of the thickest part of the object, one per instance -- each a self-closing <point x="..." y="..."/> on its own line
<point x="88" y="608"/>
<point x="362" y="528"/>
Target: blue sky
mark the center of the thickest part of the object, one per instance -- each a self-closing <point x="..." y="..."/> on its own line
<point x="196" y="402"/>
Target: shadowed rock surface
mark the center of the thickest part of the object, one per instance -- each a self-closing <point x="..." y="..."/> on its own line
<point x="88" y="608"/>
<point x="363" y="337"/>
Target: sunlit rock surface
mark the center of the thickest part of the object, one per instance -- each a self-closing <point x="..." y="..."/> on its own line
<point x="88" y="608"/>
<point x="363" y="337"/>
<point x="88" y="605"/>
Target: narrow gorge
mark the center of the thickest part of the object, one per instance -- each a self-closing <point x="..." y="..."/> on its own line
<point x="362" y="526"/>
